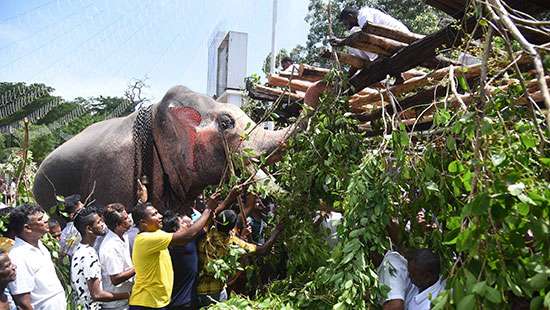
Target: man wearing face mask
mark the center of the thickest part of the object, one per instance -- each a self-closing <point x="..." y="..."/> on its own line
<point x="154" y="274"/>
<point x="185" y="263"/>
<point x="85" y="266"/>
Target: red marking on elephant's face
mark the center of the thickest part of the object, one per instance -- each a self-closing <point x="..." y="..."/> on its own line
<point x="188" y="118"/>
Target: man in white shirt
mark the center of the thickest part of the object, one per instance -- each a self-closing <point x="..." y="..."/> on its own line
<point x="36" y="285"/>
<point x="424" y="267"/>
<point x="354" y="20"/>
<point x="288" y="66"/>
<point x="85" y="265"/>
<point x="393" y="273"/>
<point x="117" y="270"/>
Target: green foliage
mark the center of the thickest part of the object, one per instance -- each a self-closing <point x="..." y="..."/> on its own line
<point x="42" y="140"/>
<point x="224" y="267"/>
<point x="480" y="179"/>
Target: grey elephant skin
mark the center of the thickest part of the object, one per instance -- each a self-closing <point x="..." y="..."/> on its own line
<point x="188" y="129"/>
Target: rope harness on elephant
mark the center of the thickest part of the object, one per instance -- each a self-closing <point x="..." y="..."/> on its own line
<point x="142" y="136"/>
<point x="144" y="144"/>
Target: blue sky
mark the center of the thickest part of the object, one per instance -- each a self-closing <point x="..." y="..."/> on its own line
<point x="96" y="47"/>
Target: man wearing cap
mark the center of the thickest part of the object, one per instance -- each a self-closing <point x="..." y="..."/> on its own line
<point x="216" y="245"/>
<point x="70" y="237"/>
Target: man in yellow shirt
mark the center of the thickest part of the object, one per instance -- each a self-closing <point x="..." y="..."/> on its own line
<point x="154" y="273"/>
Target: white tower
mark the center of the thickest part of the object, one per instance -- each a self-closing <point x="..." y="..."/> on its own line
<point x="227" y="66"/>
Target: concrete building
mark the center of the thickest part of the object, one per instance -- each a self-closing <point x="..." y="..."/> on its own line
<point x="227" y="66"/>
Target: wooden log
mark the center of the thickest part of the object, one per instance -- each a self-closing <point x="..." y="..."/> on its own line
<point x="391" y="33"/>
<point x="343" y="58"/>
<point x="277" y="80"/>
<point x="421" y="81"/>
<point x="373" y="43"/>
<point x="261" y="92"/>
<point x="311" y="73"/>
<point x="411" y="56"/>
<point x="455" y="8"/>
<point x="427" y="96"/>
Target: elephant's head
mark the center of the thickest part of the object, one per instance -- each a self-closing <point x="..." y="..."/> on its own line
<point x="190" y="131"/>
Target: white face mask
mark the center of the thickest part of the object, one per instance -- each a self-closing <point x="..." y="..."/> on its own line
<point x="195" y="216"/>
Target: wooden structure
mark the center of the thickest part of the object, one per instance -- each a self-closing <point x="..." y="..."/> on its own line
<point x="412" y="98"/>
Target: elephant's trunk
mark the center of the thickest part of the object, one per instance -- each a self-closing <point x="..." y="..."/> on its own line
<point x="264" y="142"/>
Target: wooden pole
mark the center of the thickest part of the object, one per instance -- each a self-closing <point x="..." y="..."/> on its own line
<point x="391" y="33"/>
<point x="411" y="56"/>
<point x="353" y="61"/>
<point x="373" y="43"/>
<point x="417" y="82"/>
<point x="277" y="80"/>
<point x="270" y="94"/>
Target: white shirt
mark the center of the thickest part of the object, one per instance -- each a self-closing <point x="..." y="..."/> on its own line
<point x="292" y="69"/>
<point x="84" y="266"/>
<point x="114" y="256"/>
<point x="36" y="275"/>
<point x="374" y="16"/>
<point x="421" y="301"/>
<point x="70" y="238"/>
<point x="393" y="273"/>
<point x="331" y="223"/>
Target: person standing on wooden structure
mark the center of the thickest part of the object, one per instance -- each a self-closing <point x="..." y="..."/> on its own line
<point x="355" y="20"/>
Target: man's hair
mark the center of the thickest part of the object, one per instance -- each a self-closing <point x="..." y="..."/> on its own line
<point x="70" y="202"/>
<point x="84" y="218"/>
<point x="170" y="221"/>
<point x="226" y="220"/>
<point x="426" y="261"/>
<point x="52" y="223"/>
<point x="19" y="217"/>
<point x="348" y="10"/>
<point x="287" y="59"/>
<point x="138" y="213"/>
<point x="112" y="215"/>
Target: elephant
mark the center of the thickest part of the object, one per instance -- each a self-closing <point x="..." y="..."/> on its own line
<point x="180" y="143"/>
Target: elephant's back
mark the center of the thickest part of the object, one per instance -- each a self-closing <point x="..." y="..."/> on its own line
<point x="95" y="155"/>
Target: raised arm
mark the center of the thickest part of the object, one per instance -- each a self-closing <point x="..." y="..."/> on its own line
<point x="262" y="249"/>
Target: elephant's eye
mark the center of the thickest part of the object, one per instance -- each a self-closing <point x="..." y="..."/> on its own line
<point x="226" y="122"/>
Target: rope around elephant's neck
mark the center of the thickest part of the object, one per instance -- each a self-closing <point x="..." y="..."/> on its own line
<point x="142" y="136"/>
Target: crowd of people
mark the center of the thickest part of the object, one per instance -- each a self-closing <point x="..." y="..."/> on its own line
<point x="120" y="260"/>
<point x="148" y="260"/>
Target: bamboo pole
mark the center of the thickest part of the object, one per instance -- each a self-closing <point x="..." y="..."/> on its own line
<point x="277" y="80"/>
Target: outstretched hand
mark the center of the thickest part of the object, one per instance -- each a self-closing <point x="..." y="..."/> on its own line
<point x="212" y="202"/>
<point x="142" y="192"/>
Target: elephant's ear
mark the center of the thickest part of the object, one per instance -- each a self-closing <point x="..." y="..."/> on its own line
<point x="179" y="104"/>
<point x="186" y="116"/>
